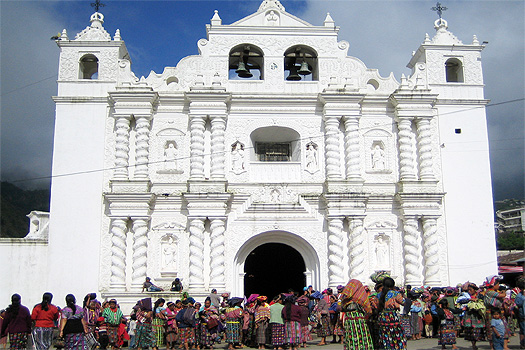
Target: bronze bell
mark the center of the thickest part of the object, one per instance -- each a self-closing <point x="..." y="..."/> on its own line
<point x="242" y="71"/>
<point x="293" y="73"/>
<point x="304" y="70"/>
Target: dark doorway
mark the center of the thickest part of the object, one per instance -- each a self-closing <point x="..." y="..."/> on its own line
<point x="273" y="268"/>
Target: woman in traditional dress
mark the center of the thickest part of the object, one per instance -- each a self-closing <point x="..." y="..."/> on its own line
<point x="390" y="331"/>
<point x="113" y="317"/>
<point x="493" y="299"/>
<point x="447" y="330"/>
<point x="335" y="319"/>
<point x="234" y="315"/>
<point x="292" y="322"/>
<point x="248" y="325"/>
<point x="322" y="311"/>
<point x="159" y="321"/>
<point x="171" y="326"/>
<point x="91" y="315"/>
<point x="44" y="315"/>
<point x="209" y="323"/>
<point x="415" y="314"/>
<point x="303" y="302"/>
<point x="144" y="335"/>
<point x="186" y="322"/>
<point x="355" y="306"/>
<point x="473" y="318"/>
<point x="72" y="325"/>
<point x="262" y="320"/>
<point x="277" y="329"/>
<point x="16" y="323"/>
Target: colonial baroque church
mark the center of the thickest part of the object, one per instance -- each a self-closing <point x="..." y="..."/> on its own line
<point x="270" y="144"/>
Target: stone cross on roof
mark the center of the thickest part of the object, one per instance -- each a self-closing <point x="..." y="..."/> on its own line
<point x="439" y="9"/>
<point x="97" y="5"/>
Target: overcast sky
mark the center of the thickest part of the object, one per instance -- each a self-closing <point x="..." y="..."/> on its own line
<point x="382" y="34"/>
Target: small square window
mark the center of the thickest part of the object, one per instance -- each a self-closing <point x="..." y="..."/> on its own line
<point x="457" y="131"/>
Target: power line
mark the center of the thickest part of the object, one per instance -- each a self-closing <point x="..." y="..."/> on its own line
<point x="31" y="84"/>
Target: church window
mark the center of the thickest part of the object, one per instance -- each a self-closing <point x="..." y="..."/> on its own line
<point x="454" y="70"/>
<point x="275" y="144"/>
<point x="300" y="64"/>
<point x="246" y="62"/>
<point x="273" y="151"/>
<point x="88" y="67"/>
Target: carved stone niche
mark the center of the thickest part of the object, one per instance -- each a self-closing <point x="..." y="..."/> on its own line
<point x="169" y="151"/>
<point x="378" y="152"/>
<point x="311" y="164"/>
<point x="237" y="158"/>
<point x="171" y="159"/>
<point x="167" y="250"/>
<point x="381" y="245"/>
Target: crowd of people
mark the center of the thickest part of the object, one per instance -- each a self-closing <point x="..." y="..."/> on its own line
<point x="359" y="317"/>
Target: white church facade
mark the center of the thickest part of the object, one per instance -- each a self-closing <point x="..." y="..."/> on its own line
<point x="272" y="135"/>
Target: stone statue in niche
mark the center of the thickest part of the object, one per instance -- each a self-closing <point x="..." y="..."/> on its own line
<point x="378" y="158"/>
<point x="237" y="157"/>
<point x="169" y="251"/>
<point x="311" y="157"/>
<point x="382" y="249"/>
<point x="170" y="156"/>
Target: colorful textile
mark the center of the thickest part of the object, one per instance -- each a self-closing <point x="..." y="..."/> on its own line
<point x="45" y="318"/>
<point x="158" y="329"/>
<point x="171" y="334"/>
<point x="293" y="332"/>
<point x="356" y="333"/>
<point x="112" y="317"/>
<point x="233" y="330"/>
<point x="206" y="337"/>
<point x="43" y="337"/>
<point x="144" y="336"/>
<point x="262" y="312"/>
<point x="447" y="333"/>
<point x="305" y="334"/>
<point x="112" y="333"/>
<point x="187" y="335"/>
<point x="18" y="340"/>
<point x="474" y="334"/>
<point x="75" y="341"/>
<point x="356" y="292"/>
<point x="405" y="323"/>
<point x="262" y="331"/>
<point x="324" y="330"/>
<point x="415" y="323"/>
<point x="278" y="334"/>
<point x="391" y="334"/>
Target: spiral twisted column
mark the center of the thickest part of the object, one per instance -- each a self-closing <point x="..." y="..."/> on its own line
<point x="352" y="154"/>
<point x="218" y="157"/>
<point x="197" y="127"/>
<point x="356" y="248"/>
<point x="217" y="245"/>
<point x="121" y="148"/>
<point x="407" y="170"/>
<point x="424" y="144"/>
<point x="335" y="251"/>
<point x="412" y="252"/>
<point x="142" y="147"/>
<point x="431" y="249"/>
<point x="140" y="252"/>
<point x="332" y="151"/>
<point x="118" y="254"/>
<point x="196" y="254"/>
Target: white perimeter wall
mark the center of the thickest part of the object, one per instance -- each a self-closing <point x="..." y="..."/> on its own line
<point x="76" y="200"/>
<point x="468" y="200"/>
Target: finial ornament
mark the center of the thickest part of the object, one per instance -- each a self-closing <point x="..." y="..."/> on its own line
<point x="439" y="9"/>
<point x="97" y="5"/>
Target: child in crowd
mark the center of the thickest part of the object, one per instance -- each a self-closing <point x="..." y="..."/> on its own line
<point x="498" y="330"/>
<point x="428" y="324"/>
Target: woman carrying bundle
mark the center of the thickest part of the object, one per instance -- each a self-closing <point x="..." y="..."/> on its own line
<point x="391" y="333"/>
<point x="356" y="306"/>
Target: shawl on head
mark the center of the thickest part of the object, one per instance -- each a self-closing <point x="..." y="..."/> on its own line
<point x="379" y="276"/>
<point x="356" y="292"/>
<point x="303" y="300"/>
<point x="145" y="304"/>
<point x="252" y="298"/>
<point x="317" y="295"/>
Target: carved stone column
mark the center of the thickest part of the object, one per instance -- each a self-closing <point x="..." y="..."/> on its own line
<point x="142" y="147"/>
<point x="217" y="263"/>
<point x="352" y="154"/>
<point x="407" y="170"/>
<point x="121" y="148"/>
<point x="218" y="158"/>
<point x="412" y="251"/>
<point x="335" y="251"/>
<point x="332" y="148"/>
<point x="196" y="253"/>
<point x="197" y="127"/>
<point x="424" y="144"/>
<point x="356" y="248"/>
<point x="118" y="254"/>
<point x="140" y="252"/>
<point x="431" y="248"/>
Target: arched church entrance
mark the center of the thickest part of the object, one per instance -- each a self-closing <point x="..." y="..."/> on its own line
<point x="273" y="268"/>
<point x="288" y="250"/>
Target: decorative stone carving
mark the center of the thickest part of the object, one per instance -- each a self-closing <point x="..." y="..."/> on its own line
<point x="431" y="249"/>
<point x="335" y="251"/>
<point x="353" y="154"/>
<point x="272" y="18"/>
<point x="121" y="147"/>
<point x="142" y="147"/>
<point x="406" y="150"/>
<point x="382" y="250"/>
<point x="68" y="65"/>
<point x="275" y="194"/>
<point x="96" y="31"/>
<point x="217" y="249"/>
<point x="332" y="151"/>
<point x="196" y="268"/>
<point x="356" y="248"/>
<point x="424" y="144"/>
<point x="197" y="127"/>
<point x="378" y="158"/>
<point x="140" y="252"/>
<point x="171" y="155"/>
<point x="312" y="158"/>
<point x="412" y="252"/>
<point x="218" y="158"/>
<point x="169" y="253"/>
<point x="237" y="158"/>
<point x="118" y="254"/>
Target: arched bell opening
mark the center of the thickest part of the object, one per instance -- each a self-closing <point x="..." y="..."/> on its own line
<point x="88" y="67"/>
<point x="246" y="62"/>
<point x="300" y="64"/>
<point x="454" y="70"/>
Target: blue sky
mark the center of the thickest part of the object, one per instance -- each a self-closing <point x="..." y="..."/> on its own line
<point x="160" y="33"/>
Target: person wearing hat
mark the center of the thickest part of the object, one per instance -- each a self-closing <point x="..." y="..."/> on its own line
<point x="355" y="306"/>
<point x="262" y="320"/>
<point x="233" y="314"/>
